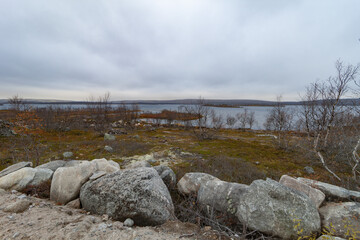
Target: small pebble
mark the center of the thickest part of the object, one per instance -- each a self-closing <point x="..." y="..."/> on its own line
<point x="105" y="217"/>
<point x="16" y="235"/>
<point x="129" y="222"/>
<point x="22" y="196"/>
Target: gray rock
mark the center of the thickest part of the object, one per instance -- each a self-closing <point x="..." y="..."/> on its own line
<point x="68" y="154"/>
<point x="138" y="164"/>
<point x="41" y="175"/>
<point x="108" y="149"/>
<point x="190" y="183"/>
<point x="14" y="168"/>
<point x="67" y="181"/>
<point x="5" y="129"/>
<point x="109" y="137"/>
<point x="139" y="194"/>
<point x="18" y="180"/>
<point x="25" y="177"/>
<point x="328" y="237"/>
<point x="76" y="204"/>
<point x="332" y="192"/>
<point x="316" y="196"/>
<point x="97" y="175"/>
<point x="115" y="164"/>
<point x="53" y="165"/>
<point x="221" y="196"/>
<point x="18" y="206"/>
<point x="103" y="165"/>
<point x="274" y="209"/>
<point x="128" y="222"/>
<point x="309" y="170"/>
<point x="167" y="175"/>
<point x="22" y="196"/>
<point x="341" y="219"/>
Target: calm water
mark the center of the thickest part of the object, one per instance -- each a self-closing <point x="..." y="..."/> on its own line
<point x="260" y="112"/>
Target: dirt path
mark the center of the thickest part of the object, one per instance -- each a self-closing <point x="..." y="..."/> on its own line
<point x="42" y="219"/>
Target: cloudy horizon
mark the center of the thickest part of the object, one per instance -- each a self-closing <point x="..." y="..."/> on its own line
<point x="179" y="49"/>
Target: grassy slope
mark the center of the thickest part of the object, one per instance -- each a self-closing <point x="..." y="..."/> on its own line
<point x="235" y="156"/>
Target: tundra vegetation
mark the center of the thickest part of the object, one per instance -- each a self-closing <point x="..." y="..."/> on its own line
<point x="323" y="134"/>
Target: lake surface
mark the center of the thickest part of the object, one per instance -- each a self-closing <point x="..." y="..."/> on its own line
<point x="260" y="112"/>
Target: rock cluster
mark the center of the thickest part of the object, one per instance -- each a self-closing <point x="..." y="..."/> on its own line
<point x="5" y="129"/>
<point x="293" y="208"/>
<point x="289" y="209"/>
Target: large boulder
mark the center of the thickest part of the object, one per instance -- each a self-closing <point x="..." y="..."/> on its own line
<point x="221" y="196"/>
<point x="42" y="175"/>
<point x="332" y="192"/>
<point x="67" y="181"/>
<point x="104" y="165"/>
<point x="25" y="177"/>
<point x="167" y="175"/>
<point x="341" y="219"/>
<point x="190" y="183"/>
<point x="14" y="168"/>
<point x="316" y="196"/>
<point x="274" y="209"/>
<point x="53" y="165"/>
<point x="139" y="194"/>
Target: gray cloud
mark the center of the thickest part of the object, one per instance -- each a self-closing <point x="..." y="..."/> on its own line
<point x="144" y="49"/>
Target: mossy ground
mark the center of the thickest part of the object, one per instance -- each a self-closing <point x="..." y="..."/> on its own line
<point x="230" y="156"/>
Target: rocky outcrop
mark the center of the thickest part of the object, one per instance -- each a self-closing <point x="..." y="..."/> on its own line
<point x="167" y="175"/>
<point x="332" y="192"/>
<point x="342" y="219"/>
<point x="139" y="194"/>
<point x="316" y="196"/>
<point x="221" y="196"/>
<point x="67" y="181"/>
<point x="14" y="168"/>
<point x="25" y="177"/>
<point x="190" y="183"/>
<point x="274" y="209"/>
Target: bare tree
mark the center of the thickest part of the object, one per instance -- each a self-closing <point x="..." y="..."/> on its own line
<point x="243" y="118"/>
<point x="231" y="121"/>
<point x="323" y="114"/>
<point x="17" y="103"/>
<point x="204" y="117"/>
<point x="251" y="119"/>
<point x="280" y="119"/>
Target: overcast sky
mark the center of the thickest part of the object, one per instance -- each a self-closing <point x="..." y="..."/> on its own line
<point x="172" y="49"/>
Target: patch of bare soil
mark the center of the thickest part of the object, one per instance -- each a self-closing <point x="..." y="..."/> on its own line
<point x="26" y="217"/>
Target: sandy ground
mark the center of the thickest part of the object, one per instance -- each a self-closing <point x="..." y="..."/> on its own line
<point x="45" y="220"/>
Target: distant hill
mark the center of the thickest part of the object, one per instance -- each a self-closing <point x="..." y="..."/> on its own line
<point x="230" y="102"/>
